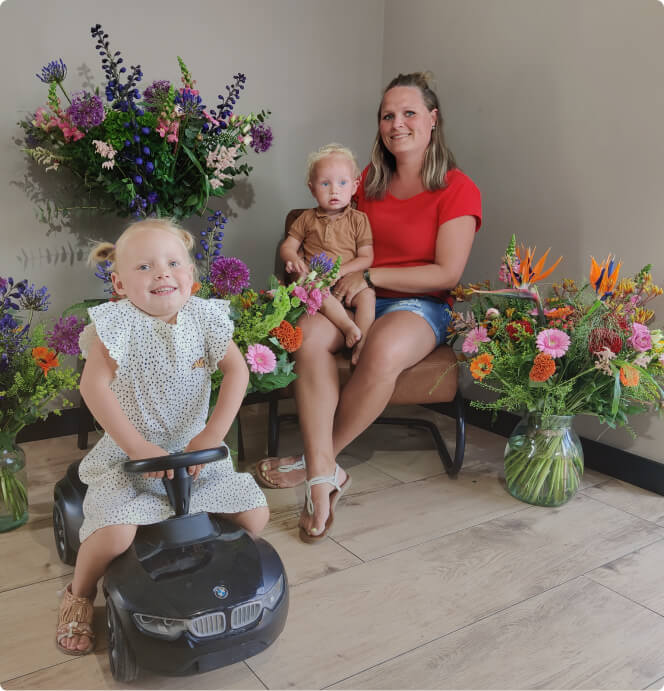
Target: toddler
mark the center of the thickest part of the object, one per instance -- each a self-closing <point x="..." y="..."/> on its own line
<point x="338" y="230"/>
<point x="147" y="381"/>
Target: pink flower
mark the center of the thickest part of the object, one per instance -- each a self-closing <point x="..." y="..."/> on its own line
<point x="553" y="342"/>
<point x="492" y="313"/>
<point x="473" y="339"/>
<point x="640" y="339"/>
<point x="301" y="293"/>
<point x="642" y="360"/>
<point x="261" y="359"/>
<point x="314" y="301"/>
<point x="661" y="359"/>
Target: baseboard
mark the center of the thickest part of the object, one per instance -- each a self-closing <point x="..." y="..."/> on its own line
<point x="618" y="463"/>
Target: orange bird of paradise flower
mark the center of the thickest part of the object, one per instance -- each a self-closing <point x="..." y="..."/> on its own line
<point x="45" y="358"/>
<point x="529" y="272"/>
<point x="604" y="276"/>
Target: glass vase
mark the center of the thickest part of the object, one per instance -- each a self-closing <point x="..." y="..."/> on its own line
<point x="543" y="460"/>
<point x="13" y="485"/>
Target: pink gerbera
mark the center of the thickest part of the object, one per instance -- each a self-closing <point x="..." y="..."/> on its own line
<point x="553" y="342"/>
<point x="473" y="339"/>
<point x="261" y="359"/>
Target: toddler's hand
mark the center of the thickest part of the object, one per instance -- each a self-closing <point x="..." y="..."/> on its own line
<point x="149" y="450"/>
<point x="298" y="267"/>
<point x="203" y="440"/>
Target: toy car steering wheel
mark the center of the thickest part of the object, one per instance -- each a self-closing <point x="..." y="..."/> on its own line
<point x="177" y="460"/>
<point x="178" y="488"/>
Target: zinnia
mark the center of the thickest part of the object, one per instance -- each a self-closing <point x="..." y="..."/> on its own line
<point x="261" y="359"/>
<point x="473" y="339"/>
<point x="543" y="367"/>
<point x="481" y="366"/>
<point x="553" y="342"/>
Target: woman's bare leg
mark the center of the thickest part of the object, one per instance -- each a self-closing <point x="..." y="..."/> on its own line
<point x="96" y="553"/>
<point x="395" y="342"/>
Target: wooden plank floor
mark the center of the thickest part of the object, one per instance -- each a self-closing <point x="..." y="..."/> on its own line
<point x="425" y="583"/>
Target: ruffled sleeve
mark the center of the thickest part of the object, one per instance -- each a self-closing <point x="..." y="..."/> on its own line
<point x="111" y="321"/>
<point x="218" y="330"/>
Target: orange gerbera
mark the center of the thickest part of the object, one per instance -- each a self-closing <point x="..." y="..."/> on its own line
<point x="481" y="366"/>
<point x="45" y="358"/>
<point x="195" y="287"/>
<point x="543" y="367"/>
<point x="289" y="337"/>
<point x="629" y="376"/>
<point x="559" y="312"/>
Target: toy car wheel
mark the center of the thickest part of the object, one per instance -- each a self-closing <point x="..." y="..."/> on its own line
<point x="65" y="552"/>
<point x="121" y="658"/>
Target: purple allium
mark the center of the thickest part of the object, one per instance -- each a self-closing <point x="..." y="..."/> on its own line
<point x="65" y="333"/>
<point x="261" y="138"/>
<point x="155" y="95"/>
<point x="35" y="299"/>
<point x="55" y="71"/>
<point x="229" y="275"/>
<point x="86" y="110"/>
<point x="321" y="264"/>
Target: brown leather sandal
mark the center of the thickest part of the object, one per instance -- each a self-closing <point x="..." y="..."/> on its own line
<point x="75" y="619"/>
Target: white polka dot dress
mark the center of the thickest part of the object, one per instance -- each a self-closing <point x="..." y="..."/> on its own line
<point x="163" y="385"/>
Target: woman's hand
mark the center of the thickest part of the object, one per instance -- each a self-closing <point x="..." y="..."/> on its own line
<point x="347" y="287"/>
<point x="148" y="450"/>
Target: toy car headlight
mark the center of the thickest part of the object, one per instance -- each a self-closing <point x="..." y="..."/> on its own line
<point x="160" y="626"/>
<point x="273" y="595"/>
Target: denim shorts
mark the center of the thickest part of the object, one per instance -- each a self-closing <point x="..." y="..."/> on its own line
<point x="437" y="314"/>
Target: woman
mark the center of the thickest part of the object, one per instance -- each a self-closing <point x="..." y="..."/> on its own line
<point x="424" y="213"/>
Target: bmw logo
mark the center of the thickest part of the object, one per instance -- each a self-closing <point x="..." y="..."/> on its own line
<point x="220" y="591"/>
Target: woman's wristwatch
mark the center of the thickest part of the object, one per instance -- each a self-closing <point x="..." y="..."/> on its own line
<point x="367" y="278"/>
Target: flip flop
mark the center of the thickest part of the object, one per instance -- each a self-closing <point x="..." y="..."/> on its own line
<point x="284" y="468"/>
<point x="335" y="495"/>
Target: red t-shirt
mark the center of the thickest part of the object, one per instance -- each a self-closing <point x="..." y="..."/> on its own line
<point x="405" y="230"/>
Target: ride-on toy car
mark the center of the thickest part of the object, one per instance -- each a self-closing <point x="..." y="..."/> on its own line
<point x="192" y="593"/>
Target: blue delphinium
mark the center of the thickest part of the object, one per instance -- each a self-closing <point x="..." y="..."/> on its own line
<point x="225" y="107"/>
<point x="103" y="272"/>
<point x="53" y="73"/>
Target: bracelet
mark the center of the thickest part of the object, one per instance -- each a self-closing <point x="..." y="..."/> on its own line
<point x="367" y="278"/>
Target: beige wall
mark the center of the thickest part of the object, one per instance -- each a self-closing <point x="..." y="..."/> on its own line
<point x="556" y="109"/>
<point x="306" y="60"/>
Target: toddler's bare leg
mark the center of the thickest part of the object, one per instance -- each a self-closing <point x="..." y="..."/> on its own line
<point x="365" y="314"/>
<point x="336" y="313"/>
<point x="94" y="556"/>
<point x="253" y="520"/>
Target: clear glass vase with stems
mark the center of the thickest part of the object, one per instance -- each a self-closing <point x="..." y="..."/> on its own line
<point x="543" y="459"/>
<point x="13" y="484"/>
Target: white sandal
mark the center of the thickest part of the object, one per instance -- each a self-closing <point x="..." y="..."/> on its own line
<point x="335" y="495"/>
<point x="264" y="481"/>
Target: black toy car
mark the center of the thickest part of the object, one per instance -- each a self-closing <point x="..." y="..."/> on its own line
<point x="193" y="593"/>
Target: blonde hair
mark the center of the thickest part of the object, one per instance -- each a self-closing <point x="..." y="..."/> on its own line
<point x="330" y="150"/>
<point x="438" y="159"/>
<point x="107" y="251"/>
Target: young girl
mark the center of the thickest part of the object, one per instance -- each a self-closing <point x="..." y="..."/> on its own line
<point x="147" y="381"/>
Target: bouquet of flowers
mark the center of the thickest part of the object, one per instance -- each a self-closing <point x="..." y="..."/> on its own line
<point x="160" y="152"/>
<point x="31" y="378"/>
<point x="581" y="350"/>
<point x="265" y="321"/>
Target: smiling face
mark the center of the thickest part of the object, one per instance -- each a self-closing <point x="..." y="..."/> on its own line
<point x="333" y="183"/>
<point x="154" y="271"/>
<point x="405" y="122"/>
